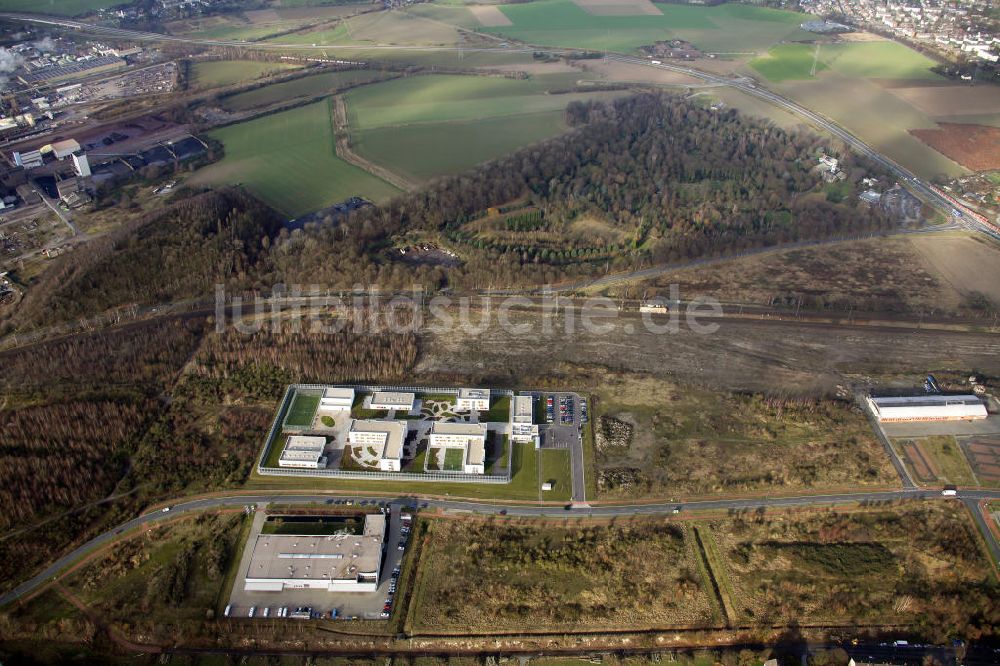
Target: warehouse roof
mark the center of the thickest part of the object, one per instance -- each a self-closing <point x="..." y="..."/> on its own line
<point x="927" y="401"/>
<point x="334" y="557"/>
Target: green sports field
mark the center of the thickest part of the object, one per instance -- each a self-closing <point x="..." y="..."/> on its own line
<point x="301" y="411"/>
<point x="727" y="28"/>
<point x="788" y="61"/>
<point x="306" y="86"/>
<point x="216" y="73"/>
<point x="427" y="126"/>
<point x="289" y="161"/>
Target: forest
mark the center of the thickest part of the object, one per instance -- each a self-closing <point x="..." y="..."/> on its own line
<point x="668" y="179"/>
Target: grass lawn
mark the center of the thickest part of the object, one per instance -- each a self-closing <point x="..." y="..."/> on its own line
<point x="288" y="160"/>
<point x="58" y="7"/>
<point x="217" y="73"/>
<point x="949" y="459"/>
<point x="523" y="485"/>
<point x="306" y="86"/>
<point x="453" y="460"/>
<point x="727" y="28"/>
<point x="302" y="410"/>
<point x="879" y="60"/>
<point x="499" y="410"/>
<point x="788" y="61"/>
<point x="556" y="470"/>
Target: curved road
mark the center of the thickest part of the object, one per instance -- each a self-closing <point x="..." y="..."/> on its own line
<point x="969" y="497"/>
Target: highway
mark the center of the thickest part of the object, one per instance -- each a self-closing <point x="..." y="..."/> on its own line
<point x="969" y="497"/>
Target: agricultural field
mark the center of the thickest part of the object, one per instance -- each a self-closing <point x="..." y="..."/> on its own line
<point x="394" y="27"/>
<point x="218" y="73"/>
<point x="288" y="160"/>
<point x="788" y="61"/>
<point x="428" y="126"/>
<point x="690" y="442"/>
<point x="729" y="29"/>
<point x="878" y="60"/>
<point x="307" y="86"/>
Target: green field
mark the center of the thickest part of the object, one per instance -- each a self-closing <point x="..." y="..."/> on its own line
<point x="556" y="470"/>
<point x="788" y="61"/>
<point x="307" y="86"/>
<point x="301" y="411"/>
<point x="877" y="60"/>
<point x="727" y="28"/>
<point x="58" y="7"/>
<point x="288" y="160"/>
<point x="453" y="460"/>
<point x="428" y="126"/>
<point x="216" y="73"/>
<point x="415" y="151"/>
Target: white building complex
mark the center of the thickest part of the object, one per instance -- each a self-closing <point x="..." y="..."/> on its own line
<point x="522" y="420"/>
<point x="473" y="398"/>
<point x="336" y="563"/>
<point x="385" y="438"/>
<point x="400" y="402"/>
<point x="303" y="452"/>
<point x="470" y="437"/>
<point x="928" y="408"/>
<point x="335" y="399"/>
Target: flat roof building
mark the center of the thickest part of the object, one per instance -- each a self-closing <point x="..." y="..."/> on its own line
<point x="303" y="452"/>
<point x="522" y="420"/>
<point x="336" y="563"/>
<point x="473" y="398"/>
<point x="392" y="400"/>
<point x="470" y="437"/>
<point x="335" y="398"/>
<point x="385" y="438"/>
<point x="928" y="408"/>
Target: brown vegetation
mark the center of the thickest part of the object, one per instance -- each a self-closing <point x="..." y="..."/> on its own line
<point x="975" y="147"/>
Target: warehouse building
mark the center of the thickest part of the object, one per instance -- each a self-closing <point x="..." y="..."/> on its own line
<point x="336" y="563"/>
<point x="470" y="437"/>
<point x="522" y="420"/>
<point x="73" y="70"/>
<point x="335" y="399"/>
<point x="392" y="400"/>
<point x="303" y="452"/>
<point x="385" y="438"/>
<point x="928" y="408"/>
<point x="473" y="398"/>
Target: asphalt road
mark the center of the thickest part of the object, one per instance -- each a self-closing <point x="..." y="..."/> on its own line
<point x="969" y="497"/>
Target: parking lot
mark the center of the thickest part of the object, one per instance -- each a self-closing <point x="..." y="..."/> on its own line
<point x="348" y="605"/>
<point x="565" y="414"/>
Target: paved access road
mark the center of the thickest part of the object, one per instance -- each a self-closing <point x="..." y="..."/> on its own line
<point x="970" y="497"/>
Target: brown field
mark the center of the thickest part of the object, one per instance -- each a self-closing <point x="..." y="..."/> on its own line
<point x="965" y="264"/>
<point x="984" y="455"/>
<point x="975" y="147"/>
<point x="489" y="15"/>
<point x="861" y="37"/>
<point x="922" y="465"/>
<point x="691" y="442"/>
<point x="619" y="7"/>
<point x="951" y="100"/>
<point x="876" y="115"/>
<point x="920" y="565"/>
<point x="884" y="274"/>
